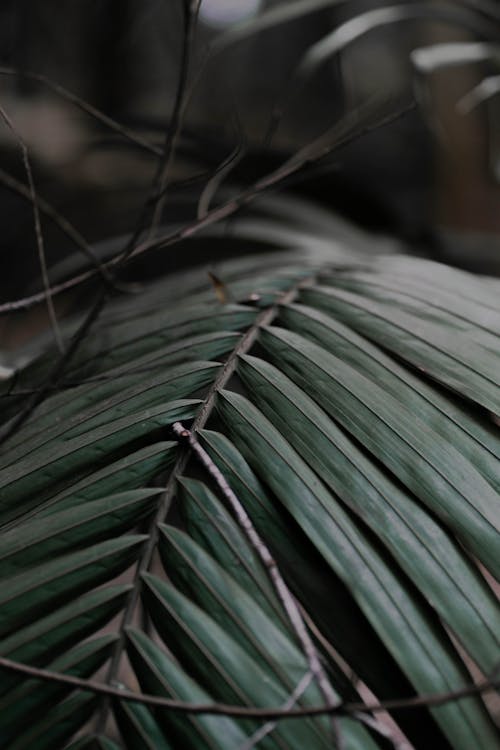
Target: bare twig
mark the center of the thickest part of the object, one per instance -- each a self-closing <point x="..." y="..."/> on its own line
<point x="219" y="213"/>
<point x="270" y="726"/>
<point x="24" y="303"/>
<point x="191" y="8"/>
<point x="215" y="181"/>
<point x="342" y="134"/>
<point x="64" y="225"/>
<point x="245" y="712"/>
<point x="38" y="229"/>
<point x="285" y="595"/>
<point x="363" y="717"/>
<point x="59" y="368"/>
<point x="93" y="112"/>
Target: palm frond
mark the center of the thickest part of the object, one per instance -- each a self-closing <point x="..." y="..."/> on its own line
<point x="347" y="404"/>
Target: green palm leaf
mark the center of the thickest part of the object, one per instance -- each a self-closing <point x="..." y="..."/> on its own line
<point x="374" y="487"/>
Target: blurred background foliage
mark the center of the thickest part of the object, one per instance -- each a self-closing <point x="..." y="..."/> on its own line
<point x="429" y="178"/>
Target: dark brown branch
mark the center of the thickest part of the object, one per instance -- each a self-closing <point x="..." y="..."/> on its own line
<point x="271" y="567"/>
<point x="217" y="178"/>
<point x="57" y="373"/>
<point x="191" y="8"/>
<point x="93" y="112"/>
<point x="51" y="213"/>
<point x="38" y="230"/>
<point x="59" y="368"/>
<point x="246" y="197"/>
<point x="340" y="135"/>
<point x="433" y="700"/>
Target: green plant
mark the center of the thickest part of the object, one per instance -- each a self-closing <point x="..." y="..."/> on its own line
<point x="346" y="403"/>
<point x="234" y="504"/>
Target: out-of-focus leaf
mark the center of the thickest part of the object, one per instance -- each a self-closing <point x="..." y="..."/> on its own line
<point x="485" y="90"/>
<point x="448" y="54"/>
<point x="363" y="23"/>
<point x="274" y="16"/>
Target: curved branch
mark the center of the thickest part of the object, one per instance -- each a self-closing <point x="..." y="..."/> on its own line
<point x="222" y="709"/>
<point x="90" y="110"/>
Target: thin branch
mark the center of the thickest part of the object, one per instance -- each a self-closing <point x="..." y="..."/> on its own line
<point x="246" y="197"/>
<point x="363" y="717"/>
<point x="159" y="182"/>
<point x="90" y="110"/>
<point x="51" y="213"/>
<point x="38" y="229"/>
<point x="270" y="726"/>
<point x="117" y="262"/>
<point x="433" y="700"/>
<point x="58" y="369"/>
<point x="343" y="133"/>
<point x="285" y="595"/>
<point x="226" y="167"/>
<point x="191" y="8"/>
<point x="216" y="180"/>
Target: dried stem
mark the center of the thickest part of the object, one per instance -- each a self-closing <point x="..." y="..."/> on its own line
<point x="285" y="595"/>
<point x="38" y="230"/>
<point x="216" y="180"/>
<point x="51" y="213"/>
<point x="191" y="8"/>
<point x="363" y="717"/>
<point x="346" y="134"/>
<point x="93" y="112"/>
<point x="245" y="712"/>
<point x="58" y="370"/>
<point x="270" y="726"/>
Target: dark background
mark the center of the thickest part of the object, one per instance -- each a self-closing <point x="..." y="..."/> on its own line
<point x="433" y="187"/>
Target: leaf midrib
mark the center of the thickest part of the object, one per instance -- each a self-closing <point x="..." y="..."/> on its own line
<point x="243" y="346"/>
